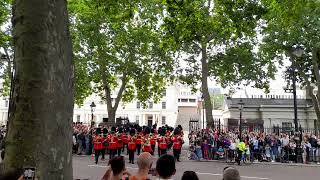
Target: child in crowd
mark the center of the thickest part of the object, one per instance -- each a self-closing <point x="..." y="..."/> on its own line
<point x="205" y="148"/>
<point x="220" y="152"/>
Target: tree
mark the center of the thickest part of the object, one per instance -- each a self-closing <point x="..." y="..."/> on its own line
<point x="6" y="63"/>
<point x="222" y="34"/>
<point x="119" y="52"/>
<point x="291" y="24"/>
<point x="40" y="132"/>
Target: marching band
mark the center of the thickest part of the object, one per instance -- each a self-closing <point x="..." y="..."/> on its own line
<point x="136" y="139"/>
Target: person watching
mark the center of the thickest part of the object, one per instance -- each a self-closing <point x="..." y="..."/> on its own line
<point x="144" y="162"/>
<point x="166" y="167"/>
<point x="189" y="175"/>
<point x="116" y="170"/>
<point x="230" y="173"/>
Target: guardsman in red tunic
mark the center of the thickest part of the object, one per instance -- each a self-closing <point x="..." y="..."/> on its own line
<point x="113" y="143"/>
<point x="104" y="142"/>
<point x="177" y="144"/>
<point x="139" y="140"/>
<point x="146" y="141"/>
<point x="97" y="144"/>
<point x="163" y="146"/>
<point x="125" y="140"/>
<point x="153" y="141"/>
<point x="120" y="142"/>
<point x="131" y="145"/>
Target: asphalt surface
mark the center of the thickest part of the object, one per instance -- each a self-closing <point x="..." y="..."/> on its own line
<point x="84" y="168"/>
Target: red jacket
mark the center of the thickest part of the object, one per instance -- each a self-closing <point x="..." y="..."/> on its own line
<point x="163" y="143"/>
<point x="177" y="142"/>
<point x="113" y="142"/>
<point x="139" y="139"/>
<point x="124" y="138"/>
<point x="97" y="143"/>
<point x="132" y="144"/>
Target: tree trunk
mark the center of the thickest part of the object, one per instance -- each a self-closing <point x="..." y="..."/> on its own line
<point x="112" y="115"/>
<point x="204" y="85"/>
<point x="40" y="133"/>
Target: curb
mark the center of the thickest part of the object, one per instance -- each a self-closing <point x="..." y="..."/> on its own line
<point x="262" y="163"/>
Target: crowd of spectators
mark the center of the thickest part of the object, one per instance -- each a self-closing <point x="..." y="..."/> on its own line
<point x="212" y="145"/>
<point x="82" y="139"/>
<point x="165" y="169"/>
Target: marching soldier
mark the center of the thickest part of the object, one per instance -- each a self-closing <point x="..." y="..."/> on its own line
<point x="177" y="144"/>
<point x="139" y="140"/>
<point x="153" y="141"/>
<point x="125" y="139"/>
<point x="113" y="141"/>
<point x="120" y="142"/>
<point x="104" y="142"/>
<point x="163" y="142"/>
<point x="131" y="145"/>
<point x="97" y="144"/>
<point x="146" y="141"/>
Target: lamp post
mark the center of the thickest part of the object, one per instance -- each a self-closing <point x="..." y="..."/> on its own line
<point x="93" y="107"/>
<point x="202" y="98"/>
<point x="240" y="105"/>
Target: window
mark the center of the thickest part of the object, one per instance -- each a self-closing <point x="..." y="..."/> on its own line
<point x="192" y="100"/>
<point x="163" y="119"/>
<point x="137" y="119"/>
<point x="78" y="118"/>
<point x="164" y="105"/>
<point x="6" y="103"/>
<point x="286" y="126"/>
<point x="179" y="100"/>
<point x="138" y="105"/>
<point x="150" y="105"/>
<point x="164" y="92"/>
<point x="184" y="100"/>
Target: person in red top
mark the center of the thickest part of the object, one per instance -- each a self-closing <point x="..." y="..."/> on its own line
<point x="163" y="142"/>
<point x="97" y="144"/>
<point x="139" y="140"/>
<point x="153" y="141"/>
<point x="146" y="141"/>
<point x="125" y="140"/>
<point x="113" y="141"/>
<point x="177" y="144"/>
<point x="120" y="142"/>
<point x="131" y="145"/>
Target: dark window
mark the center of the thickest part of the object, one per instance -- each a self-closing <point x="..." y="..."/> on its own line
<point x="138" y="105"/>
<point x="150" y="105"/>
<point x="163" y="118"/>
<point x="6" y="103"/>
<point x="192" y="100"/>
<point x="179" y="100"/>
<point x="78" y="118"/>
<point x="164" y="92"/>
<point x="164" y="105"/>
<point x="184" y="100"/>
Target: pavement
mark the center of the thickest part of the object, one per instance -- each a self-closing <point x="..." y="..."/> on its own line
<point x="84" y="168"/>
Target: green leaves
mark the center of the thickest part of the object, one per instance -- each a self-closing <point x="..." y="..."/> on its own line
<point x="118" y="44"/>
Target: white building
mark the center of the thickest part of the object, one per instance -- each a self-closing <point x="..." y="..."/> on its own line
<point x="164" y="112"/>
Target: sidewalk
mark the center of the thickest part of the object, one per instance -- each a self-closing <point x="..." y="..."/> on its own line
<point x="262" y="163"/>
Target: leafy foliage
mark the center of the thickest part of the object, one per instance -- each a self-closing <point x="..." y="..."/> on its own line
<point x="118" y="47"/>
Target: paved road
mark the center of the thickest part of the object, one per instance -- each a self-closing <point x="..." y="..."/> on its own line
<point x="84" y="168"/>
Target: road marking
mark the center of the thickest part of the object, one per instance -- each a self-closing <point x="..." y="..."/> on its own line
<point x="210" y="174"/>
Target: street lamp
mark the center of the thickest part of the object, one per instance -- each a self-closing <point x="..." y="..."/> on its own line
<point x="240" y="105"/>
<point x="93" y="107"/>
<point x="202" y="98"/>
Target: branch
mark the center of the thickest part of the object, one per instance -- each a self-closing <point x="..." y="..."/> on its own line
<point x="315" y="59"/>
<point x="107" y="90"/>
<point x="123" y="85"/>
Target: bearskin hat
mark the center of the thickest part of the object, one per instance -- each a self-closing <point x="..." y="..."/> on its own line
<point x="152" y="130"/>
<point x="98" y="131"/>
<point x="127" y="129"/>
<point x="132" y="131"/>
<point x="120" y="130"/>
<point x="113" y="129"/>
<point x="146" y="130"/>
<point x="180" y="127"/>
<point x="105" y="131"/>
<point x="139" y="129"/>
<point x="177" y="131"/>
<point x="163" y="131"/>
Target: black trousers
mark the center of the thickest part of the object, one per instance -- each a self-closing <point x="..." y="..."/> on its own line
<point x="176" y="154"/>
<point x="124" y="145"/>
<point x="131" y="156"/>
<point x="97" y="154"/>
<point x="138" y="149"/>
<point x="159" y="151"/>
<point x="103" y="152"/>
<point x="163" y="151"/>
<point x="113" y="153"/>
<point x="153" y="147"/>
<point x="119" y="151"/>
